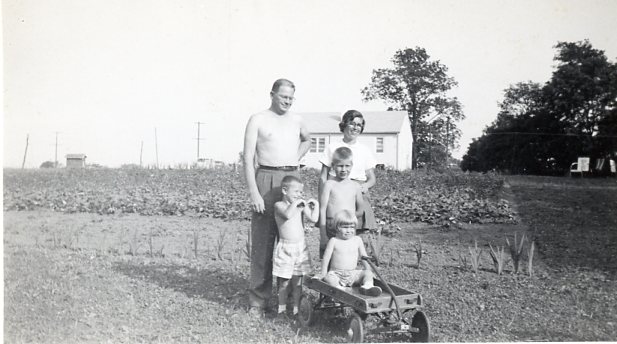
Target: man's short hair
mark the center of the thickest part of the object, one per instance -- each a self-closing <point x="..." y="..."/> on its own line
<point x="341" y="153"/>
<point x="288" y="180"/>
<point x="282" y="82"/>
<point x="345" y="218"/>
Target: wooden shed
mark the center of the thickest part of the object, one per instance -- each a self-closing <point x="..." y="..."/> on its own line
<point x="75" y="161"/>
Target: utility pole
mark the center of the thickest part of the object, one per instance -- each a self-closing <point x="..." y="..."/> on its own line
<point x="141" y="153"/>
<point x="448" y="142"/>
<point x="198" y="137"/>
<point x="26" y="152"/>
<point x="156" y="148"/>
<point x="56" y="158"/>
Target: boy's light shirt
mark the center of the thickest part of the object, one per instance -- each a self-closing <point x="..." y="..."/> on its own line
<point x="363" y="158"/>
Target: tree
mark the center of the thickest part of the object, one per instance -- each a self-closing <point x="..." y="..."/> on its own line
<point x="419" y="86"/>
<point x="542" y="129"/>
<point x="48" y="164"/>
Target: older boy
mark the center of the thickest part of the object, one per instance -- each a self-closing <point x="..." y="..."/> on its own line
<point x="291" y="255"/>
<point x="340" y="193"/>
<point x="340" y="260"/>
<point x="275" y="140"/>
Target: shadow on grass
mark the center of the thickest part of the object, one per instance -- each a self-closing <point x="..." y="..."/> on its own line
<point x="214" y="284"/>
<point x="572" y="227"/>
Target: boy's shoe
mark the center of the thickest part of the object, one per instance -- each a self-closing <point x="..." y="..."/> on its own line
<point x="372" y="291"/>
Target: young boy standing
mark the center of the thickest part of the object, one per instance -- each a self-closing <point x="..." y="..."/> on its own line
<point x="340" y="193"/>
<point x="340" y="260"/>
<point x="290" y="260"/>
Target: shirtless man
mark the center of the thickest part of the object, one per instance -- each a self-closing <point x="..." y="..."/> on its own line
<point x="275" y="140"/>
<point x="340" y="193"/>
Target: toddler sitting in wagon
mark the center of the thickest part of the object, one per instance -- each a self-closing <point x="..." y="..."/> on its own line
<point x="340" y="259"/>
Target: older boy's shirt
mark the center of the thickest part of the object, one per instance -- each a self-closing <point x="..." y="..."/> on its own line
<point x="363" y="158"/>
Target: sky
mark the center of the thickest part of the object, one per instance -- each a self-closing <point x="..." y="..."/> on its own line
<point x="103" y="75"/>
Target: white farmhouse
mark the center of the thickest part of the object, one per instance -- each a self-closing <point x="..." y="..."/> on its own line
<point x="387" y="133"/>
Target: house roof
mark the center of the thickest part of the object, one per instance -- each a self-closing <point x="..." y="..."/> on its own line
<point x="376" y="121"/>
<point x="76" y="156"/>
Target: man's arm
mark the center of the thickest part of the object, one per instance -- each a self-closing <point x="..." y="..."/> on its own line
<point x="323" y="205"/>
<point x="305" y="140"/>
<point x="250" y="148"/>
<point x="323" y="178"/>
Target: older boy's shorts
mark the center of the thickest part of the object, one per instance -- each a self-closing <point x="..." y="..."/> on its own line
<point x="346" y="278"/>
<point x="290" y="259"/>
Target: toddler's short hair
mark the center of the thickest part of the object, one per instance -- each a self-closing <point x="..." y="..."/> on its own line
<point x="341" y="153"/>
<point x="345" y="218"/>
<point x="288" y="180"/>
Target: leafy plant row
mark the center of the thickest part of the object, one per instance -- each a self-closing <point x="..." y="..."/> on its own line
<point x="437" y="198"/>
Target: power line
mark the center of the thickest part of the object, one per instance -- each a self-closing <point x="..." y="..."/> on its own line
<point x="548" y="134"/>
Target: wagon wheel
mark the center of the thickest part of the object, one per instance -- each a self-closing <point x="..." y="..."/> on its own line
<point x="421" y="328"/>
<point x="355" y="330"/>
<point x="306" y="315"/>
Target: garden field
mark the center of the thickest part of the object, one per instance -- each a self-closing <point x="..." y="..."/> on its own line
<point x="130" y="256"/>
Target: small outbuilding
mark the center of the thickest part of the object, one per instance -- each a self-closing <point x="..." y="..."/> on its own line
<point x="387" y="133"/>
<point x="75" y="161"/>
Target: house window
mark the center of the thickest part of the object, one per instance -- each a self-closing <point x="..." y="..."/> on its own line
<point x="318" y="144"/>
<point x="313" y="145"/>
<point x="379" y="146"/>
<point x="322" y="144"/>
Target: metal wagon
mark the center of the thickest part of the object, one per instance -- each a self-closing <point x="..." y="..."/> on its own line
<point x="395" y="311"/>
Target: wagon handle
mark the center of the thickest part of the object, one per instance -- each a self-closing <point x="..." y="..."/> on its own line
<point x="369" y="259"/>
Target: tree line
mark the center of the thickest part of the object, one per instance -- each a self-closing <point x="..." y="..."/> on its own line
<point x="542" y="129"/>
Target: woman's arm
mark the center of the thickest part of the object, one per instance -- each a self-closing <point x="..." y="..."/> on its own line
<point x="370" y="180"/>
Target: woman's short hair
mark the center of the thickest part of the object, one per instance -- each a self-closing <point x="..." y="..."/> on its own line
<point x="282" y="82"/>
<point x="345" y="218"/>
<point x="348" y="117"/>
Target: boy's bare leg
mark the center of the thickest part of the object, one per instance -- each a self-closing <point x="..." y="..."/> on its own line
<point x="283" y="285"/>
<point x="296" y="284"/>
<point x="367" y="279"/>
<point x="331" y="280"/>
<point x="367" y="287"/>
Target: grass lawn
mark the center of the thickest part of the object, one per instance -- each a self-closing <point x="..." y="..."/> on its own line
<point x="128" y="278"/>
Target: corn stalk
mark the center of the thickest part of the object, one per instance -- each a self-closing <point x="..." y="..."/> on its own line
<point x="516" y="251"/>
<point x="532" y="248"/>
<point x="475" y="254"/>
<point x="418" y="247"/>
<point x="499" y="258"/>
